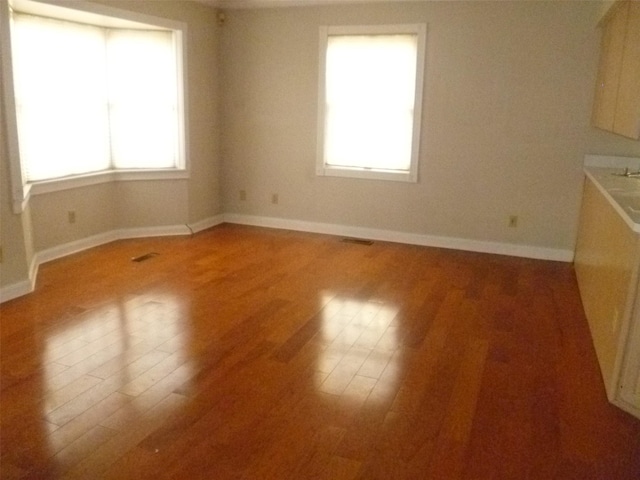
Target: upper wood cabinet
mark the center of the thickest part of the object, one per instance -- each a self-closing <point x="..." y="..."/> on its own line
<point x="616" y="105"/>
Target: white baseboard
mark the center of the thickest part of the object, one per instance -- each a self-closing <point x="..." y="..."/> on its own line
<point x="15" y="290"/>
<point x="27" y="286"/>
<point x="206" y="223"/>
<point x="498" y="248"/>
<point x="162" y="231"/>
<point x="22" y="288"/>
<point x="76" y="246"/>
<point x="107" y="237"/>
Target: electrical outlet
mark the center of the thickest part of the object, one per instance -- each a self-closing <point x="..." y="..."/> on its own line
<point x="513" y="221"/>
<point x="274" y="198"/>
<point x="243" y="195"/>
<point x="71" y="215"/>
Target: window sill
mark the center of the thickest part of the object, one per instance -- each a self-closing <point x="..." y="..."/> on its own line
<point x="78" y="181"/>
<point x="370" y="174"/>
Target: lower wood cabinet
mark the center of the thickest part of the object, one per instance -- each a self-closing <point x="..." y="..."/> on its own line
<point x="607" y="262"/>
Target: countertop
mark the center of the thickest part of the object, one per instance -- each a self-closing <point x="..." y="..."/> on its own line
<point x="622" y="192"/>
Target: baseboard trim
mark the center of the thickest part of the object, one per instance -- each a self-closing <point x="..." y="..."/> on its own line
<point x="107" y="237"/>
<point x="21" y="288"/>
<point x="496" y="248"/>
<point x="206" y="223"/>
<point x="15" y="290"/>
<point x="76" y="246"/>
<point x="27" y="286"/>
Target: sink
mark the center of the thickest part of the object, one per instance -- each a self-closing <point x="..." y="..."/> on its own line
<point x="623" y="191"/>
<point x="630" y="203"/>
<point x="616" y="183"/>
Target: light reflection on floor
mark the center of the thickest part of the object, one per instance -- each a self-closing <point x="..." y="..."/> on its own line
<point x="360" y="346"/>
<point x="114" y="357"/>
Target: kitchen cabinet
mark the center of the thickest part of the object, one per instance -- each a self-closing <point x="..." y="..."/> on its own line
<point x="629" y="389"/>
<point x="616" y="105"/>
<point x="607" y="264"/>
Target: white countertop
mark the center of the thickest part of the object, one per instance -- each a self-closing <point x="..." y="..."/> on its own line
<point x="622" y="192"/>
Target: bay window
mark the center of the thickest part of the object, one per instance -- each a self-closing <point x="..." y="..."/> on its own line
<point x="94" y="98"/>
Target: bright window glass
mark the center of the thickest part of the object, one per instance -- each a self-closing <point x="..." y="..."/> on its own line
<point x="91" y="99"/>
<point x="370" y="102"/>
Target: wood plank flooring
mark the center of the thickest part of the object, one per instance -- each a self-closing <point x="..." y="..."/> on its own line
<point x="247" y="353"/>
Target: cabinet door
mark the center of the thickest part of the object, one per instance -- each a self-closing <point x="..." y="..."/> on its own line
<point x="627" y="118"/>
<point x="611" y="51"/>
<point x="606" y="255"/>
<point x="630" y="384"/>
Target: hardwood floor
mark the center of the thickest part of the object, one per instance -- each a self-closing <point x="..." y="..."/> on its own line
<point x="246" y="353"/>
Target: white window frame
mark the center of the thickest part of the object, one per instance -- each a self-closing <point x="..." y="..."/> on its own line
<point x="100" y="15"/>
<point x="410" y="175"/>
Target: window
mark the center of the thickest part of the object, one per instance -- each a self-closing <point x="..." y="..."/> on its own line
<point x="370" y="101"/>
<point x="93" y="98"/>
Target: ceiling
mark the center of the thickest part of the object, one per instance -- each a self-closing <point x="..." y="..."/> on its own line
<point x="284" y="3"/>
<point x="232" y="4"/>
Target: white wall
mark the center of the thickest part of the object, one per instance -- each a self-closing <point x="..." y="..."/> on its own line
<point x="507" y="103"/>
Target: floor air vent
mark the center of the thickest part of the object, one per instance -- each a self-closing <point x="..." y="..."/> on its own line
<point x="357" y="241"/>
<point x="144" y="257"/>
